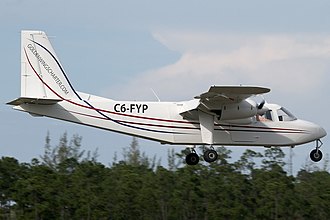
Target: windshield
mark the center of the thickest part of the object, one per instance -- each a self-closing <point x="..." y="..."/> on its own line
<point x="284" y="115"/>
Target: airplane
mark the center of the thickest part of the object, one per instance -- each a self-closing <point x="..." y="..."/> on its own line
<point x="223" y="115"/>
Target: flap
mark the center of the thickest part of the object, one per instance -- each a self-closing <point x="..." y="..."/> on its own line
<point x="189" y="106"/>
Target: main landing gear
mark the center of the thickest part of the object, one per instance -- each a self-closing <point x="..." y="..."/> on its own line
<point x="192" y="158"/>
<point x="210" y="155"/>
<point x="316" y="154"/>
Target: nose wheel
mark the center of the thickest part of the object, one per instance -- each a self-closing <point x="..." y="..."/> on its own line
<point x="316" y="154"/>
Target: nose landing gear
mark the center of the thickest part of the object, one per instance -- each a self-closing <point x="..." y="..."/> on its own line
<point x="316" y="154"/>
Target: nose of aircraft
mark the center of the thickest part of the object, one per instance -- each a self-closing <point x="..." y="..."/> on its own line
<point x="321" y="132"/>
<point x="317" y="131"/>
<point x="314" y="131"/>
<point x="311" y="132"/>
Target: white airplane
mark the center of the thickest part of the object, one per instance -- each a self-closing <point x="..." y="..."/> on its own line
<point x="224" y="115"/>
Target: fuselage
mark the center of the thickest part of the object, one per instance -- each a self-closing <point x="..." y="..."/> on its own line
<point x="162" y="122"/>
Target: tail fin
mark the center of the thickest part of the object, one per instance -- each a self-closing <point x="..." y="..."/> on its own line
<point x="42" y="75"/>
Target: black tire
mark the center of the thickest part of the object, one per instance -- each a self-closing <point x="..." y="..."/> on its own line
<point x="210" y="156"/>
<point x="192" y="159"/>
<point x="316" y="155"/>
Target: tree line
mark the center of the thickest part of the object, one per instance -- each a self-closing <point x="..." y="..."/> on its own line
<point x="68" y="183"/>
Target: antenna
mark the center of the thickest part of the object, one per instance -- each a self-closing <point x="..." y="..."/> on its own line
<point x="155" y="94"/>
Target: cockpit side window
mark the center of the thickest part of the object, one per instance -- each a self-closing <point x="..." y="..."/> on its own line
<point x="285" y="115"/>
<point x="268" y="115"/>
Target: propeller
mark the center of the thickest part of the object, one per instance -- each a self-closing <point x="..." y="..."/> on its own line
<point x="261" y="109"/>
<point x="261" y="105"/>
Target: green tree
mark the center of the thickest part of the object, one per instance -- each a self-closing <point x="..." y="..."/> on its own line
<point x="172" y="162"/>
<point x="273" y="193"/>
<point x="188" y="193"/>
<point x="67" y="185"/>
<point x="273" y="157"/>
<point x="313" y="193"/>
<point x="35" y="194"/>
<point x="88" y="191"/>
<point x="133" y="156"/>
<point x="53" y="156"/>
<point x="10" y="173"/>
<point x="247" y="162"/>
<point x="225" y="190"/>
<point x="165" y="184"/>
<point x="130" y="192"/>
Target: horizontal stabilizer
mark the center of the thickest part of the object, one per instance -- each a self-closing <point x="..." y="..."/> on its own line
<point x="23" y="100"/>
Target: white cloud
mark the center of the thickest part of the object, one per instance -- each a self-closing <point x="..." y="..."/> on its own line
<point x="285" y="62"/>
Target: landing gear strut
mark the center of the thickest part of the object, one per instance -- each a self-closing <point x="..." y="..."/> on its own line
<point x="210" y="155"/>
<point x="192" y="158"/>
<point x="316" y="154"/>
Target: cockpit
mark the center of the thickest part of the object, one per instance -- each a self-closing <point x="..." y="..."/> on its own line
<point x="284" y="115"/>
<point x="276" y="113"/>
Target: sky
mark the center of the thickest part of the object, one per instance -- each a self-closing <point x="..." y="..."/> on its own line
<point x="123" y="49"/>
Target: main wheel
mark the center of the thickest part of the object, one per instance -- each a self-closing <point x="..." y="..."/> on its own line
<point x="315" y="155"/>
<point x="192" y="159"/>
<point x="210" y="156"/>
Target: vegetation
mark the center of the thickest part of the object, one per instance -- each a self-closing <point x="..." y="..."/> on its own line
<point x="66" y="184"/>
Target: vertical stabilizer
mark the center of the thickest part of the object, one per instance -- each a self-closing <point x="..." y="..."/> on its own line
<point x="42" y="75"/>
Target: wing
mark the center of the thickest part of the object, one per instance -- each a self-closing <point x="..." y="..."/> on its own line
<point x="230" y="94"/>
<point x="222" y="102"/>
<point x="217" y="96"/>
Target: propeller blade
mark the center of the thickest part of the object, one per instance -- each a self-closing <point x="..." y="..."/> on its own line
<point x="261" y="105"/>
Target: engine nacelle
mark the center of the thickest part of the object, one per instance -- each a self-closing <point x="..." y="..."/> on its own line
<point x="243" y="121"/>
<point x="244" y="109"/>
